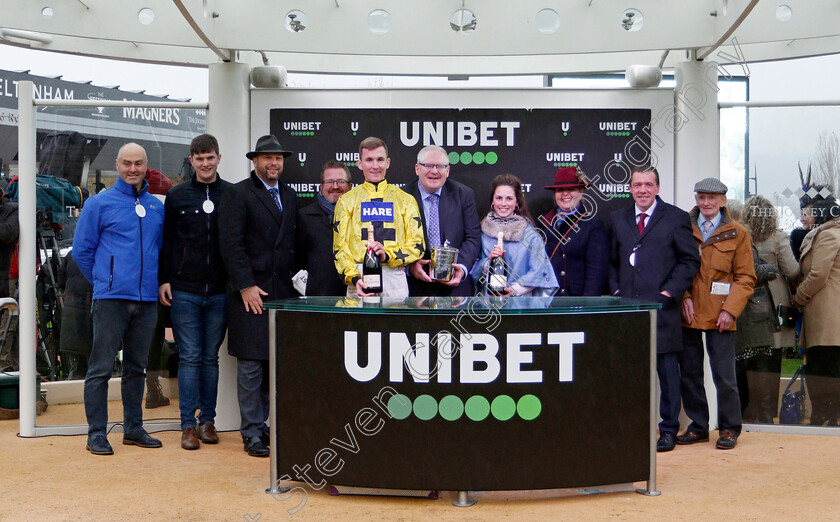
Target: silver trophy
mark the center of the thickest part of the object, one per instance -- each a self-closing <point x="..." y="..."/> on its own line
<point x="444" y="259"/>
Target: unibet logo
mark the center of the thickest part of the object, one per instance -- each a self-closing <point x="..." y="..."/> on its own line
<point x="476" y="408"/>
<point x="477" y="356"/>
<point x="459" y="133"/>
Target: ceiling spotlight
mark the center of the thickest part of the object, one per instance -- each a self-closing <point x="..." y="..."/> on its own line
<point x="295" y="24"/>
<point x="463" y="21"/>
<point x="296" y="21"/>
<point x="632" y="20"/>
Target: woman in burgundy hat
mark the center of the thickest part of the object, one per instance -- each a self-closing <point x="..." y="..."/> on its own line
<point x="576" y="241"/>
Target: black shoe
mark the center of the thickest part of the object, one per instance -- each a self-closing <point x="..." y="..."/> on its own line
<point x="256" y="447"/>
<point x="154" y="395"/>
<point x="266" y="438"/>
<point x="727" y="440"/>
<point x="142" y="439"/>
<point x="98" y="445"/>
<point x="691" y="437"/>
<point x="666" y="441"/>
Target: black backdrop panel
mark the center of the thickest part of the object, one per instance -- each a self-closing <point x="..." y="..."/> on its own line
<point x="482" y="143"/>
<point x="594" y="429"/>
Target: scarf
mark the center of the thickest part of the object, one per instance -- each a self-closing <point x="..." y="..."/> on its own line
<point x="328" y="207"/>
<point x="512" y="227"/>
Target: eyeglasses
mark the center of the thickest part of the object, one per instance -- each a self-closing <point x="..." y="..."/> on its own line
<point x="432" y="166"/>
<point x="339" y="182"/>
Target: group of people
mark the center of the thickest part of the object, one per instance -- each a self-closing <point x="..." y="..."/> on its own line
<point x="216" y="274"/>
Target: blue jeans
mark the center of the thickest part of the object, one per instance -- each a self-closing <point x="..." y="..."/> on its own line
<point x="118" y="324"/>
<point x="199" y="325"/>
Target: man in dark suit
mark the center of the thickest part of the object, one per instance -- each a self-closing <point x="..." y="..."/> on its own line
<point x="654" y="257"/>
<point x="315" y="233"/>
<point x="448" y="212"/>
<point x="257" y="238"/>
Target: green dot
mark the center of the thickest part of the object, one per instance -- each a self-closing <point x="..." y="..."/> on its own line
<point x="466" y="158"/>
<point x="565" y="134"/>
<point x="354" y="133"/>
<point x="477" y="408"/>
<point x="478" y="158"/>
<point x="528" y="407"/>
<point x="491" y="158"/>
<point x="453" y="158"/>
<point x="302" y="164"/>
<point x="503" y="407"/>
<point x="399" y="406"/>
<point x="425" y="407"/>
<point x="451" y="408"/>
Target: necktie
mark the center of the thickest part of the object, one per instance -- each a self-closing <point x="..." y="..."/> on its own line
<point x="434" y="221"/>
<point x="276" y="195"/>
<point x="707" y="227"/>
<point x="642" y="217"/>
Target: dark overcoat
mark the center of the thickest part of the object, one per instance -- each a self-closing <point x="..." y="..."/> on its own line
<point x="666" y="259"/>
<point x="580" y="258"/>
<point x="459" y="224"/>
<point x="315" y="252"/>
<point x="258" y="248"/>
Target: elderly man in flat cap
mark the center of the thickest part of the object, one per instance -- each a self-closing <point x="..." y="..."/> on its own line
<point x="257" y="239"/>
<point x="712" y="303"/>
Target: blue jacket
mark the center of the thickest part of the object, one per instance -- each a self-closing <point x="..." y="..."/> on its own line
<point x="116" y="250"/>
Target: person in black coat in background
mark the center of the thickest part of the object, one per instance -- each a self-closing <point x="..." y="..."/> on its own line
<point x="576" y="242"/>
<point x="654" y="257"/>
<point x="456" y="219"/>
<point x="257" y="238"/>
<point x="314" y="238"/>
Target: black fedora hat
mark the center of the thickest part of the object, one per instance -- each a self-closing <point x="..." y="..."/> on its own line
<point x="268" y="144"/>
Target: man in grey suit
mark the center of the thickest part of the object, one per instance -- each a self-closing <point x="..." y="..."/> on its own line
<point x="448" y="212"/>
<point x="654" y="257"/>
<point x="257" y="239"/>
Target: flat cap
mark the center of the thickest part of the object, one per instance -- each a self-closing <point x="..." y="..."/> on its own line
<point x="710" y="186"/>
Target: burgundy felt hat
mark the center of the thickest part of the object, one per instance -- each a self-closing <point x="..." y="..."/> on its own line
<point x="567" y="177"/>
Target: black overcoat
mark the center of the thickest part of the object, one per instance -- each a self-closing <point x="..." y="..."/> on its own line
<point x="258" y="248"/>
<point x="315" y="252"/>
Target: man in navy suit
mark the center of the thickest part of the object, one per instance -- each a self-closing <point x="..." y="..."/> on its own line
<point x="654" y="257"/>
<point x="257" y="243"/>
<point x="448" y="212"/>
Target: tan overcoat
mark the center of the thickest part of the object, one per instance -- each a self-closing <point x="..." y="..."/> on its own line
<point x="819" y="291"/>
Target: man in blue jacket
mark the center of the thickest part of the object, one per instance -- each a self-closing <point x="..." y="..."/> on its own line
<point x="116" y="247"/>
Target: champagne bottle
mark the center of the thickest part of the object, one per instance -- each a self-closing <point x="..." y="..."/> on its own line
<point x="372" y="268"/>
<point x="497" y="273"/>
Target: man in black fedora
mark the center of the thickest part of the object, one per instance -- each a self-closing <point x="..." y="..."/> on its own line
<point x="257" y="239"/>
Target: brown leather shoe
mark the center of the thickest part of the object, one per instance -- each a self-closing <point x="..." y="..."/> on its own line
<point x="189" y="439"/>
<point x="691" y="437"/>
<point x="207" y="432"/>
<point x="727" y="440"/>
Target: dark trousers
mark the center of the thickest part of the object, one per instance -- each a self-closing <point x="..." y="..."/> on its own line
<point x="668" y="370"/>
<point x="721" y="349"/>
<point x="758" y="386"/>
<point x="118" y="324"/>
<point x="252" y="393"/>
<point x="822" y="373"/>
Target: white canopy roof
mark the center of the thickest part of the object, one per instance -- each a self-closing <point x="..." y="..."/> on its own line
<point x="427" y="37"/>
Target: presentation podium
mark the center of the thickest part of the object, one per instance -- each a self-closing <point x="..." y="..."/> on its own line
<point x="462" y="394"/>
